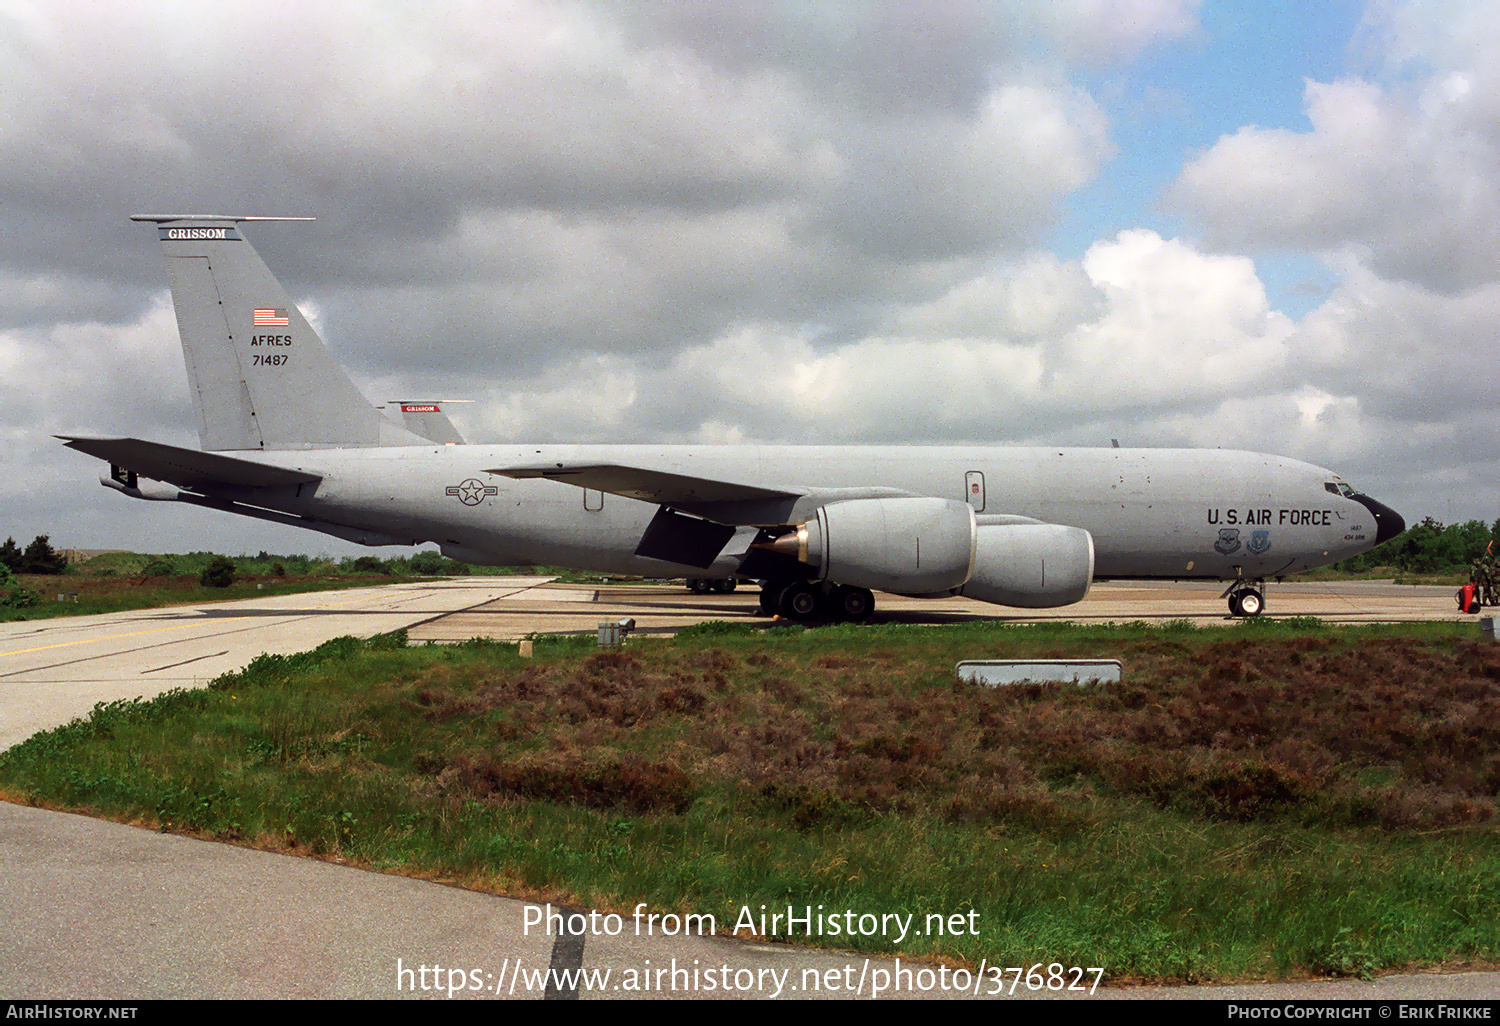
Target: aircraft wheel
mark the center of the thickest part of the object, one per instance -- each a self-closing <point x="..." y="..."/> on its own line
<point x="701" y="585"/>
<point x="770" y="597"/>
<point x="1252" y="602"/>
<point x="853" y="604"/>
<point x="800" y="601"/>
<point x="725" y="585"/>
<point x="1234" y="604"/>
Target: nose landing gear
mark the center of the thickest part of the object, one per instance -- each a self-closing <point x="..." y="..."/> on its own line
<point x="1246" y="598"/>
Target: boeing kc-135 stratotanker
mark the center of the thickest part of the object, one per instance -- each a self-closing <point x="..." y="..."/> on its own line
<point x="287" y="437"/>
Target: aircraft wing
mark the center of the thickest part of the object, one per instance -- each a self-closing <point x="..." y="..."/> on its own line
<point x="186" y="468"/>
<point x="726" y="502"/>
<point x="646" y="485"/>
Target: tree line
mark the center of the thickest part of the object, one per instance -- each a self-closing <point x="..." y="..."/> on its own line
<point x="37" y="558"/>
<point x="1430" y="548"/>
<point x="216" y="570"/>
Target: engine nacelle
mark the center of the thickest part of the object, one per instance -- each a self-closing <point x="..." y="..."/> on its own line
<point x="1035" y="566"/>
<point x="910" y="546"/>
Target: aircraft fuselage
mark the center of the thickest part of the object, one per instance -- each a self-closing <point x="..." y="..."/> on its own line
<point x="1153" y="513"/>
<point x="287" y="437"/>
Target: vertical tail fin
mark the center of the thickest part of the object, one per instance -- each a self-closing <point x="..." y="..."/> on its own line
<point x="261" y="377"/>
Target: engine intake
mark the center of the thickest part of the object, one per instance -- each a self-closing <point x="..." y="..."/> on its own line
<point x="1034" y="566"/>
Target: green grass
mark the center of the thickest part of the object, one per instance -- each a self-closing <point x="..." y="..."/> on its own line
<point x="1272" y="800"/>
<point x="111" y="594"/>
<point x="114" y="582"/>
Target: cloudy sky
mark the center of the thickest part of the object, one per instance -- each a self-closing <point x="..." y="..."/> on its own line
<point x="1268" y="226"/>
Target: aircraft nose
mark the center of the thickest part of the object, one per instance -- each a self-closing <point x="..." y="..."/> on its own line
<point x="1388" y="522"/>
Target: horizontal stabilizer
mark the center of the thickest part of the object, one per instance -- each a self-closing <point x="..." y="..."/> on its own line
<point x="186" y="468"/>
<point x="428" y="420"/>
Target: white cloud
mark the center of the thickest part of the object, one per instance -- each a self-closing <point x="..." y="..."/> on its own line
<point x="1110" y="30"/>
<point x="720" y="223"/>
<point x="1139" y="323"/>
<point x="1179" y="327"/>
<point x="1402" y="172"/>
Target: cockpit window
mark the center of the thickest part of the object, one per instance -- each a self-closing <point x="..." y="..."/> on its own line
<point x="1339" y="488"/>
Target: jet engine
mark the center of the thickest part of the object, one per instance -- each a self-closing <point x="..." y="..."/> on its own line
<point x="929" y="546"/>
<point x="1035" y="566"/>
<point x="915" y="546"/>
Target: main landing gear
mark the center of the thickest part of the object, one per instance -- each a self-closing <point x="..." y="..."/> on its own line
<point x="1246" y="598"/>
<point x="806" y="601"/>
<point x="704" y="585"/>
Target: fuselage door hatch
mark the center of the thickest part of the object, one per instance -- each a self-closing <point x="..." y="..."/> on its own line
<point x="974" y="489"/>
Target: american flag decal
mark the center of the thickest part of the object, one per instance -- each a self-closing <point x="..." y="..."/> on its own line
<point x="267" y="318"/>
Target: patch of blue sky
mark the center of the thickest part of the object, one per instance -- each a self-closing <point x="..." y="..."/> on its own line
<point x="1247" y="65"/>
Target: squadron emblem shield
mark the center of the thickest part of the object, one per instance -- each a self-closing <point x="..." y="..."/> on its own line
<point x="1229" y="540"/>
<point x="1260" y="541"/>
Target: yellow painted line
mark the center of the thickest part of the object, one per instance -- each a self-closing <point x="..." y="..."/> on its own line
<point x="112" y="637"/>
<point x="161" y="630"/>
<point x="355" y="600"/>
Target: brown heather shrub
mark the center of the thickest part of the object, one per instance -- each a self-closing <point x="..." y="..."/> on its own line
<point x="712" y="659"/>
<point x="683" y="698"/>
<point x="812" y="807"/>
<point x="1240" y="728"/>
<point x="621" y="782"/>
<point x="1248" y="792"/>
<point x="1416" y="806"/>
<point x="1036" y="806"/>
<point x="783" y="689"/>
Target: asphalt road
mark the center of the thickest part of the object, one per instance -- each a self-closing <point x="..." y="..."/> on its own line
<point x="98" y="910"/>
<point x="52" y="671"/>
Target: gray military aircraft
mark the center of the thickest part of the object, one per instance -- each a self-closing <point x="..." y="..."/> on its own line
<point x="287" y="437"/>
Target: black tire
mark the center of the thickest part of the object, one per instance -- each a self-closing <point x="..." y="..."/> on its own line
<point x="1234" y="604"/>
<point x="800" y="600"/>
<point x="1252" y="602"/>
<point x="853" y="605"/>
<point x="770" y="597"/>
<point x="724" y="585"/>
<point x="701" y="585"/>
